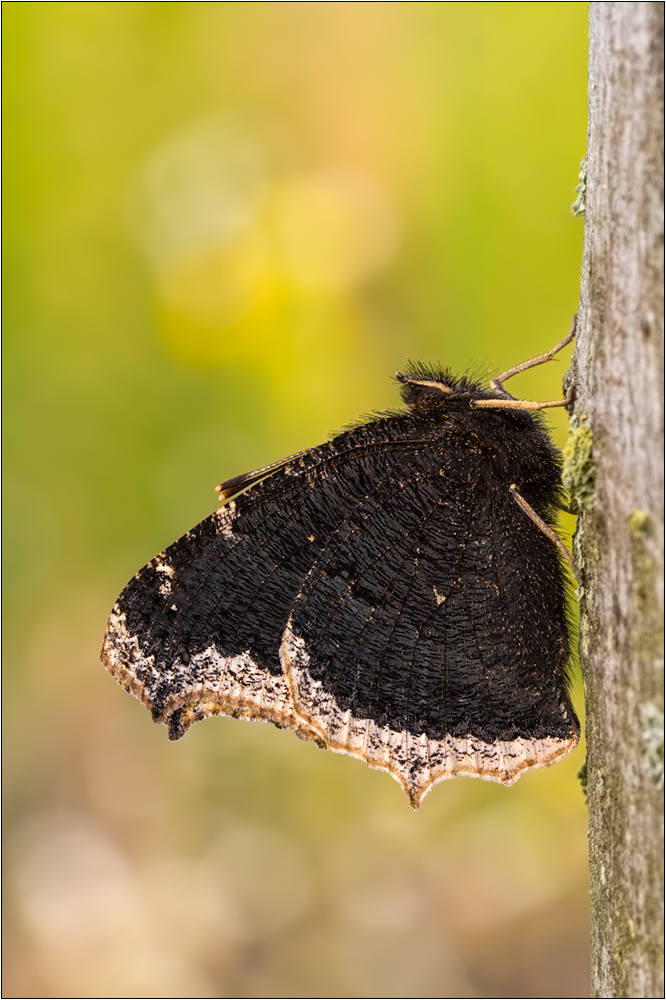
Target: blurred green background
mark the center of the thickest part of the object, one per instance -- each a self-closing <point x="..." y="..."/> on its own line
<point x="226" y="226"/>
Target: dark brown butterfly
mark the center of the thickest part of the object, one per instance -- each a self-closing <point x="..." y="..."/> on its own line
<point x="396" y="594"/>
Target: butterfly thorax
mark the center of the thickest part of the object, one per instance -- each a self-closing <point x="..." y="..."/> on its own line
<point x="515" y="443"/>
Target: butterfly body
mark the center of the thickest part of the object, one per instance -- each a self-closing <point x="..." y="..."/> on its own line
<point x="382" y="594"/>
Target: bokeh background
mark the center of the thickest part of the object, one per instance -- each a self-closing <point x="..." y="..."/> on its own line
<point x="226" y="226"/>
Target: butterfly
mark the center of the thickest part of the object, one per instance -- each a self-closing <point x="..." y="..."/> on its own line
<point x="396" y="594"/>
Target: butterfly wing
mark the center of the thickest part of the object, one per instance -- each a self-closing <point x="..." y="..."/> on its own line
<point x="430" y="638"/>
<point x="197" y="631"/>
<point x="359" y="596"/>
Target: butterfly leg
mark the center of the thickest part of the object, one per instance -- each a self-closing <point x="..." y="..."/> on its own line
<point x="515" y="404"/>
<point x="496" y="383"/>
<point x="547" y="530"/>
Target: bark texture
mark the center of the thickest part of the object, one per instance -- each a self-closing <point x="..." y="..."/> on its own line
<point x="615" y="467"/>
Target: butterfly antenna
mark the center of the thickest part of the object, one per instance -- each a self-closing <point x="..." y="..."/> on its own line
<point x="230" y="487"/>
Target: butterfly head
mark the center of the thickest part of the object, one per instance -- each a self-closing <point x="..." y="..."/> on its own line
<point x="430" y="391"/>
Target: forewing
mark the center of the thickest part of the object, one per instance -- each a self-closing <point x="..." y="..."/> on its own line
<point x="197" y="631"/>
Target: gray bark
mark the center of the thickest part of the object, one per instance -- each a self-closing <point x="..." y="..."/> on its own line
<point x="615" y="469"/>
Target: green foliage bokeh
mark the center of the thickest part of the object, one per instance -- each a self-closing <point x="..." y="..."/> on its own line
<point x="227" y="225"/>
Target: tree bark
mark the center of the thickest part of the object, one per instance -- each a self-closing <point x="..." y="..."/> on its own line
<point x="615" y="469"/>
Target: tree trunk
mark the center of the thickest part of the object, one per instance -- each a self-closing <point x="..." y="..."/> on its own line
<point x="615" y="470"/>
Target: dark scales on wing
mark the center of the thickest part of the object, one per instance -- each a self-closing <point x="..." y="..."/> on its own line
<point x="382" y="594"/>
